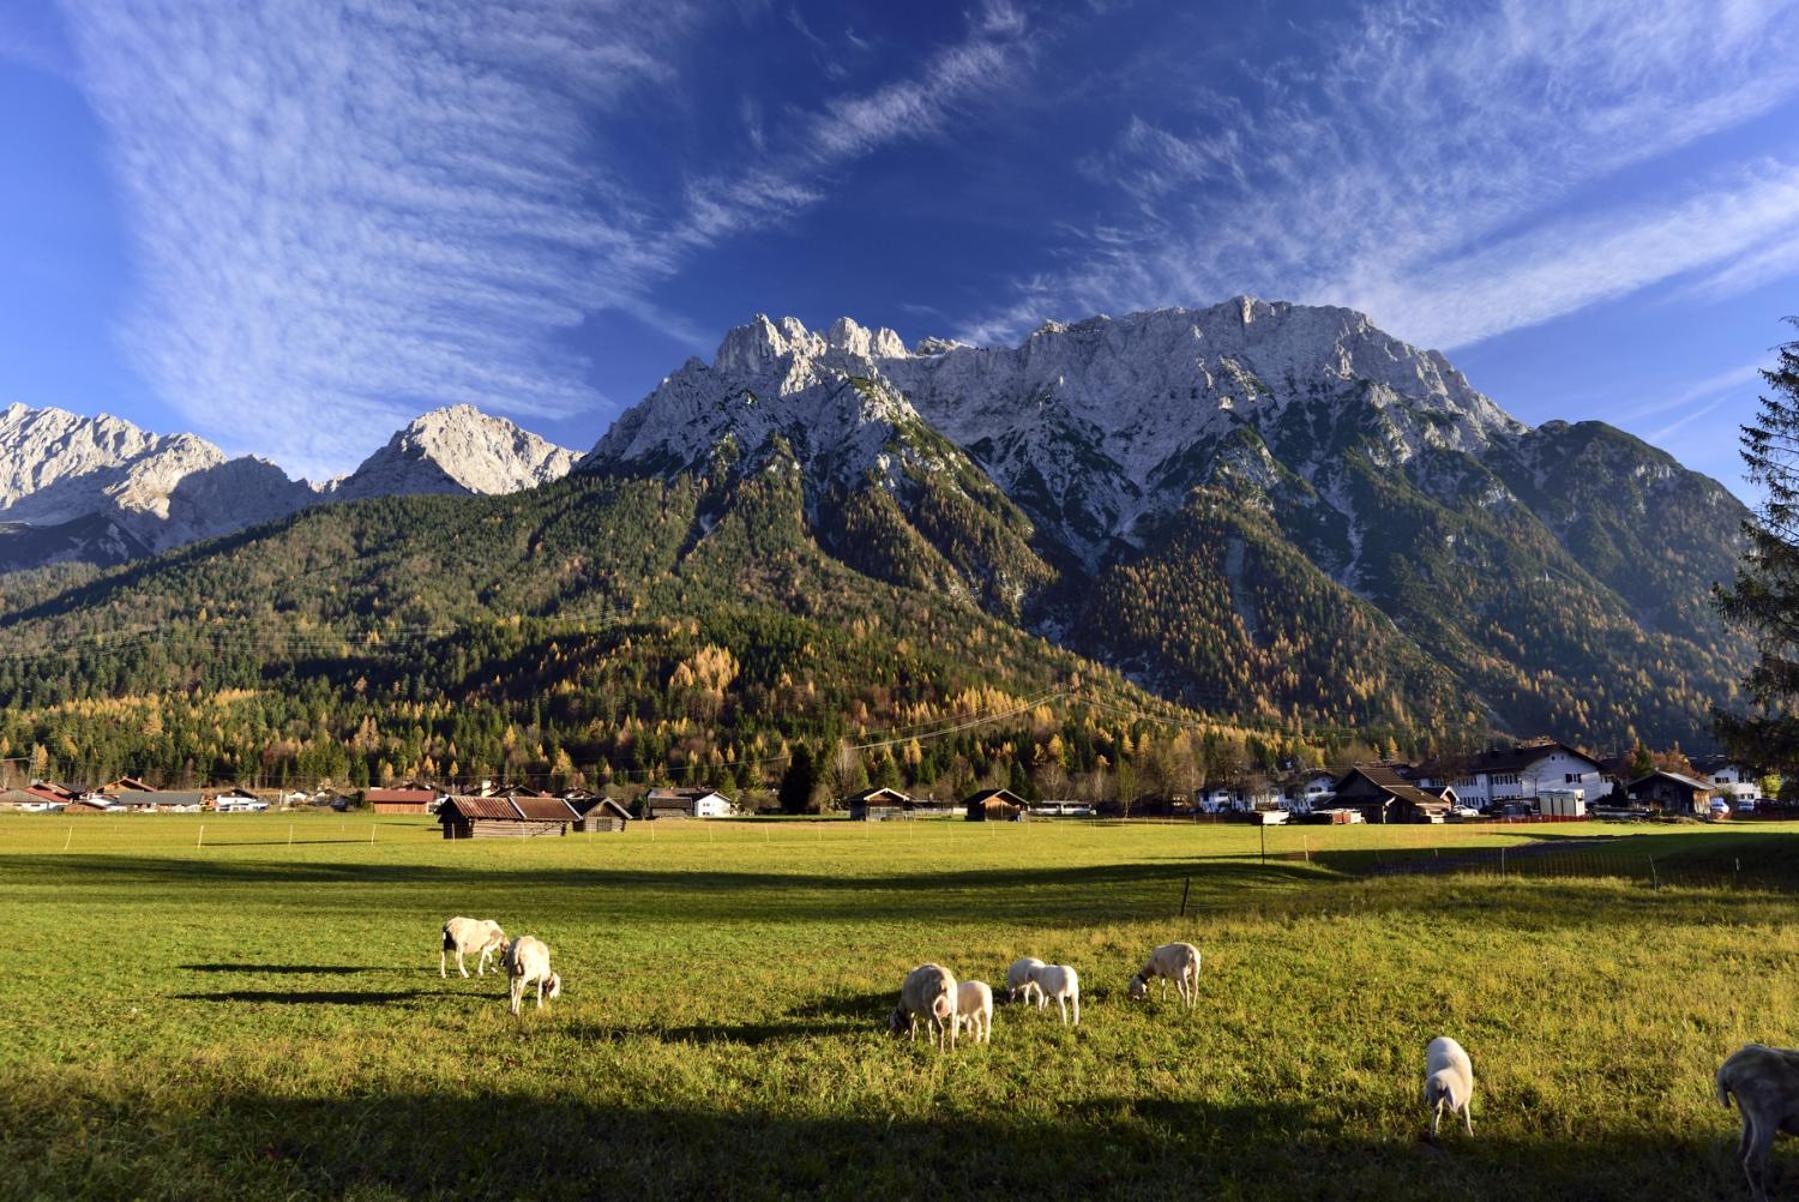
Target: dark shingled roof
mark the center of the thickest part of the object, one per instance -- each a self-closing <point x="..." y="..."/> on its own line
<point x="1521" y="756"/>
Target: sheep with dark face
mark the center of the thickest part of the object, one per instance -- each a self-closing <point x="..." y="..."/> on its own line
<point x="466" y="936"/>
<point x="1177" y="962"/>
<point x="527" y="962"/>
<point x="928" y="992"/>
<point x="1765" y="1083"/>
<point x="1448" y="1082"/>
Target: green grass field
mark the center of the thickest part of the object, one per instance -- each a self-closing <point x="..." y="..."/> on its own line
<point x="260" y="1018"/>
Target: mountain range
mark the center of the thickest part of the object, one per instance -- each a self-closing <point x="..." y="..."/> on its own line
<point x="1271" y="512"/>
<point x="100" y="490"/>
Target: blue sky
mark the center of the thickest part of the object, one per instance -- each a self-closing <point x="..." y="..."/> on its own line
<point x="292" y="226"/>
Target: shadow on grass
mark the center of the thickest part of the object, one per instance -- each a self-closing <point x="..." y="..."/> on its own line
<point x="232" y="1142"/>
<point x="327" y="997"/>
<point x="275" y="969"/>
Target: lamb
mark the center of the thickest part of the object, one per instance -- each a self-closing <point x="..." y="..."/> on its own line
<point x="928" y="992"/>
<point x="974" y="1006"/>
<point x="465" y="936"/>
<point x="1448" y="1081"/>
<point x="1177" y="962"/>
<point x="527" y="961"/>
<point x="1060" y="982"/>
<point x="1765" y="1083"/>
<point x="1018" y="979"/>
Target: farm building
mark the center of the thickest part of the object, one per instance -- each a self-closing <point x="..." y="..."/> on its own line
<point x="599" y="814"/>
<point x="995" y="805"/>
<point x="686" y="803"/>
<point x="505" y="817"/>
<point x="42" y="795"/>
<point x="1670" y="792"/>
<point x="1382" y="794"/>
<point x="878" y="805"/>
<point x="1729" y="778"/>
<point x="411" y="798"/>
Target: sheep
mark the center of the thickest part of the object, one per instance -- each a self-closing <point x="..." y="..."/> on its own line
<point x="1060" y="982"/>
<point x="1448" y="1081"/>
<point x="1765" y="1083"/>
<point x="527" y="961"/>
<point x="1018" y="979"/>
<point x="467" y="936"/>
<point x="974" y="1006"/>
<point x="1178" y="962"/>
<point x="928" y="992"/>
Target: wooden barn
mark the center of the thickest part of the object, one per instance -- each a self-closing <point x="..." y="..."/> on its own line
<point x="505" y="817"/>
<point x="878" y="805"/>
<point x="600" y="814"/>
<point x="1670" y="792"/>
<point x="1382" y="794"/>
<point x="411" y="798"/>
<point x="995" y="805"/>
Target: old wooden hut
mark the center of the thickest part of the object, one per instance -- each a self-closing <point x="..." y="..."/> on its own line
<point x="1670" y="792"/>
<point x="1383" y="794"/>
<point x="878" y="805"/>
<point x="995" y="805"/>
<point x="505" y="817"/>
<point x="600" y="814"/>
<point x="410" y="798"/>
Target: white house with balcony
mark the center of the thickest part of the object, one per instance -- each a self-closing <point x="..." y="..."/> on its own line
<point x="1739" y="782"/>
<point x="1524" y="771"/>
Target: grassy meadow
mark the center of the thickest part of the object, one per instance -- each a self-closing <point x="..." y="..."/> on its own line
<point x="257" y="1013"/>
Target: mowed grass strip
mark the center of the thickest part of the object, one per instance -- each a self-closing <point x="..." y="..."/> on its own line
<point x="252" y="1017"/>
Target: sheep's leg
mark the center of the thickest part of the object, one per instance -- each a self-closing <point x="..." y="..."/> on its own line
<point x="1062" y="1007"/>
<point x="460" y="966"/>
<point x="540" y="993"/>
<point x="1755" y="1166"/>
<point x="1468" y="1116"/>
<point x="516" y="992"/>
<point x="1436" y="1118"/>
<point x="1077" y="1009"/>
<point x="443" y="963"/>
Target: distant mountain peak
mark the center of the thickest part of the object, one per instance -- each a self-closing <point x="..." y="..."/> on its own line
<point x="457" y="449"/>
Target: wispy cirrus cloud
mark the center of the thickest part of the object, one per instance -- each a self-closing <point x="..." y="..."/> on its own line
<point x="348" y="210"/>
<point x="1443" y="170"/>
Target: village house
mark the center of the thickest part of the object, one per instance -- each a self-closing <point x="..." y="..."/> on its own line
<point x="1670" y="793"/>
<point x="1383" y="793"/>
<point x="505" y="817"/>
<point x="878" y="805"/>
<point x="1302" y="792"/>
<point x="1522" y="771"/>
<point x="1729" y="779"/>
<point x="995" y="805"/>
<point x="686" y="803"/>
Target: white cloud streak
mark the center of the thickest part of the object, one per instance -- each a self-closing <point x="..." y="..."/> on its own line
<point x="1442" y="169"/>
<point x="348" y="210"/>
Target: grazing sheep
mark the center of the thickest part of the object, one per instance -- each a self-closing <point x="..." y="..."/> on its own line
<point x="929" y="992"/>
<point x="527" y="961"/>
<point x="466" y="936"/>
<point x="1765" y="1083"/>
<point x="1060" y="982"/>
<point x="1177" y="962"/>
<point x="1018" y="979"/>
<point x="974" y="1006"/>
<point x="1448" y="1081"/>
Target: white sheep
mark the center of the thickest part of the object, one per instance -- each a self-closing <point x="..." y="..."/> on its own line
<point x="1060" y="982"/>
<point x="1765" y="1083"/>
<point x="1448" y="1082"/>
<point x="1018" y="979"/>
<point x="928" y="992"/>
<point x="974" y="1006"/>
<point x="468" y="936"/>
<point x="1177" y="962"/>
<point x="527" y="961"/>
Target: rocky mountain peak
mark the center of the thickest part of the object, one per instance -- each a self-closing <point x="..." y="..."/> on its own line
<point x="458" y="449"/>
